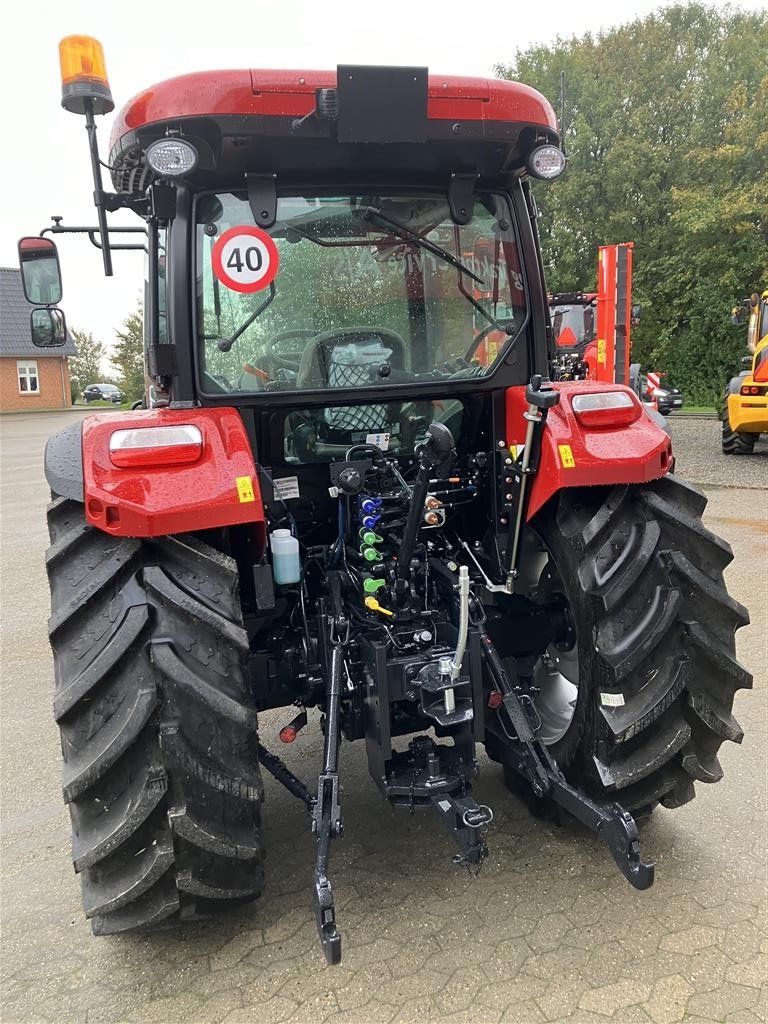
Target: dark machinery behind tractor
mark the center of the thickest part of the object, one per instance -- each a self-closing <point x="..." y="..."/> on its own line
<point x="342" y="497"/>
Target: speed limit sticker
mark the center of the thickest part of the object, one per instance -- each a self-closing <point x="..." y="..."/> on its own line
<point x="245" y="259"/>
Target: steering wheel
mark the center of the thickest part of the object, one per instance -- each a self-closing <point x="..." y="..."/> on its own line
<point x="482" y="335"/>
<point x="289" y="360"/>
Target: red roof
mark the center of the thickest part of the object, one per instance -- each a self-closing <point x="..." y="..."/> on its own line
<point x="292" y="94"/>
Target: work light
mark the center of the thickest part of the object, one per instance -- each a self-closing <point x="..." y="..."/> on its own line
<point x="172" y="158"/>
<point x="546" y="162"/>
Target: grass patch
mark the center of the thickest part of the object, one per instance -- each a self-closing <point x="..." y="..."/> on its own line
<point x="700" y="410"/>
<point x="101" y="404"/>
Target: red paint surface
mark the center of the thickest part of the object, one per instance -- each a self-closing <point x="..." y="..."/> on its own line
<point x="630" y="454"/>
<point x="148" y="502"/>
<point x="292" y="94"/>
<point x="608" y="307"/>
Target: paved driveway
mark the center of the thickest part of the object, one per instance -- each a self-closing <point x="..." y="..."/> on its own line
<point x="549" y="931"/>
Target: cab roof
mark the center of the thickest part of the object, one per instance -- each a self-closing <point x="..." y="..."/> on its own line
<point x="282" y="93"/>
<point x="280" y="119"/>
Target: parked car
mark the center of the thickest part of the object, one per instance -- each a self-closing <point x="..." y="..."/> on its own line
<point x="103" y="393"/>
<point x="668" y="398"/>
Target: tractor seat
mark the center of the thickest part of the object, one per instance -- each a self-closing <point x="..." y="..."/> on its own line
<point x="352" y="357"/>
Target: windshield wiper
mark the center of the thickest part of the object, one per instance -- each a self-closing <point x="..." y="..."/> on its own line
<point x="225" y="344"/>
<point x="409" y="235"/>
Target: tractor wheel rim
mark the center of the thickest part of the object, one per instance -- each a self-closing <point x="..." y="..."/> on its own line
<point x="555" y="677"/>
<point x="556" y="673"/>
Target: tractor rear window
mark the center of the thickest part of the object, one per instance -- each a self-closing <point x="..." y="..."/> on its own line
<point x="369" y="291"/>
<point x="325" y="433"/>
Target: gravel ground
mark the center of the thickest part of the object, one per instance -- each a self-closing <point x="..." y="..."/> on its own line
<point x="548" y="932"/>
<point x="699" y="455"/>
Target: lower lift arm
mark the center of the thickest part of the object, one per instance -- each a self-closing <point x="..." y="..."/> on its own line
<point x="529" y="757"/>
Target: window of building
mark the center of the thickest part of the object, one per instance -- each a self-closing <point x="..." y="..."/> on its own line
<point x="29" y="382"/>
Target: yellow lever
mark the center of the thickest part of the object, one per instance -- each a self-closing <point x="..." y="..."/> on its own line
<point x="373" y="604"/>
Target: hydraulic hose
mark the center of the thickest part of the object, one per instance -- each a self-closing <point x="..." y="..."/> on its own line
<point x="461" y="643"/>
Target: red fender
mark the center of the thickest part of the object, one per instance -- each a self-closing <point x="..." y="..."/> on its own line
<point x="573" y="455"/>
<point x="220" y="488"/>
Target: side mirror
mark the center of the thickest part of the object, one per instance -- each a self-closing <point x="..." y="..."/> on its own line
<point x="40" y="271"/>
<point x="637" y="313"/>
<point x="48" y="328"/>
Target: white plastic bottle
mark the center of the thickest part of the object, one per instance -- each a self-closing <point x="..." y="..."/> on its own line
<point x="286" y="566"/>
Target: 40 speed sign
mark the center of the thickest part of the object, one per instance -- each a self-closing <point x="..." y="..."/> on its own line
<point x="245" y="259"/>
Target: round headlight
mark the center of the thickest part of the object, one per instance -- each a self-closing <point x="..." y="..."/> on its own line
<point x="546" y="162"/>
<point x="172" y="158"/>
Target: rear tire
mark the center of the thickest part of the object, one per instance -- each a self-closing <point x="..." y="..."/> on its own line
<point x="158" y="730"/>
<point x="656" y="641"/>
<point x="734" y="442"/>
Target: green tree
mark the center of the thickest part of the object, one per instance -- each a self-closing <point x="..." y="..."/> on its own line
<point x="128" y="355"/>
<point x="667" y="145"/>
<point x="85" y="367"/>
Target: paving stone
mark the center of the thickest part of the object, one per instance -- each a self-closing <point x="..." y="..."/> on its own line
<point x="556" y="962"/>
<point x="166" y="1011"/>
<point x="752" y="972"/>
<point x="611" y="998"/>
<point x="235" y="949"/>
<point x="744" y="1017"/>
<point x="314" y="1010"/>
<point x="730" y="912"/>
<point x="525" y="1012"/>
<point x="271" y="1011"/>
<point x="668" y="1000"/>
<point x="690" y="940"/>
<point x="504" y="994"/>
<point x="357" y="989"/>
<point x="742" y="941"/>
<point x="708" y="969"/>
<point x="373" y="1012"/>
<point x="631" y="1015"/>
<point x="415" y="1011"/>
<point x="505" y="961"/>
<point x="726" y="999"/>
<point x="459" y="991"/>
<point x="549" y="933"/>
<point x="557" y="1001"/>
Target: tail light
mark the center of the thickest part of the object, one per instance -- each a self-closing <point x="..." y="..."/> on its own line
<point x="606" y="408"/>
<point x="753" y="389"/>
<point x="156" y="446"/>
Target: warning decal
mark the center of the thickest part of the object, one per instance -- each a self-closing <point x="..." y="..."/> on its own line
<point x="566" y="456"/>
<point x="245" y="259"/>
<point x="245" y="488"/>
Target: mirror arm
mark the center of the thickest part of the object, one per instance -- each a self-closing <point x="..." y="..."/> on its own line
<point x="61" y="229"/>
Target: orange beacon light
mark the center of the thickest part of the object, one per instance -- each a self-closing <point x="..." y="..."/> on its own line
<point x="84" y="83"/>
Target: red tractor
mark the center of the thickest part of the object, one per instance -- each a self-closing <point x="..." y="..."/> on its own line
<point x="331" y="505"/>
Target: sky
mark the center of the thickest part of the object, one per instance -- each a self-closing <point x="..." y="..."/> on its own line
<point x="46" y="168"/>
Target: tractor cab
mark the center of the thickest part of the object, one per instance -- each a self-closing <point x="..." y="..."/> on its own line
<point x="320" y="289"/>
